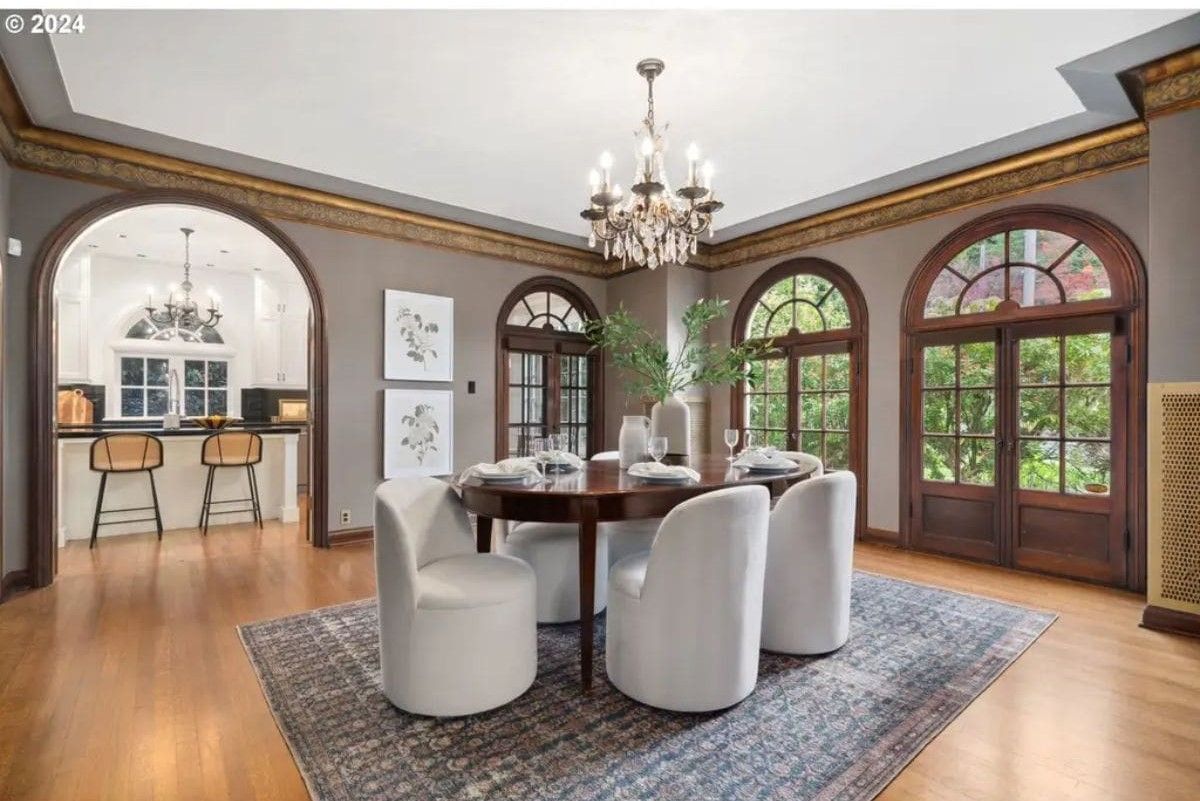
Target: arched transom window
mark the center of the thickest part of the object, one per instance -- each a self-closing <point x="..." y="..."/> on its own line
<point x="799" y="304"/>
<point x="805" y="394"/>
<point x="547" y="309"/>
<point x="145" y="328"/>
<point x="1017" y="269"/>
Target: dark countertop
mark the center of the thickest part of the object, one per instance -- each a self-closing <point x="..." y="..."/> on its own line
<point x="154" y="427"/>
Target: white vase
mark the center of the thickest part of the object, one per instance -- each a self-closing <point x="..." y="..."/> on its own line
<point x="632" y="441"/>
<point x="672" y="418"/>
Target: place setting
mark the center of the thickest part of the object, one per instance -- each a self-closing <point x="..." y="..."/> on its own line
<point x="655" y="472"/>
<point x="758" y="459"/>
<point x="549" y="457"/>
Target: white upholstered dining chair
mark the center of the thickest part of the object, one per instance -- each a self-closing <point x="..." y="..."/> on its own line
<point x="457" y="630"/>
<point x="810" y="561"/>
<point x="806" y="461"/>
<point x="684" y="619"/>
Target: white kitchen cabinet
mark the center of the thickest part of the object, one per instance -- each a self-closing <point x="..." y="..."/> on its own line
<point x="281" y="334"/>
<point x="72" y="291"/>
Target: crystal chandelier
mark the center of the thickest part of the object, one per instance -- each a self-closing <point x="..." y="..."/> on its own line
<point x="185" y="314"/>
<point x="653" y="225"/>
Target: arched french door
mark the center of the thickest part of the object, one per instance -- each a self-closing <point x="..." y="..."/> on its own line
<point x="1023" y="392"/>
<point x="810" y="392"/>
<point x="44" y="464"/>
<point x="549" y="378"/>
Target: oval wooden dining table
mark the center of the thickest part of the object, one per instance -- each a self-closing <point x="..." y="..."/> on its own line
<point x="601" y="492"/>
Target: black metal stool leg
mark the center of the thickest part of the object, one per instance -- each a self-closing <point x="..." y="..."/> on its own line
<point x="254" y="494"/>
<point x="204" y="500"/>
<point x="99" y="507"/>
<point x="154" y="495"/>
<point x="207" y="500"/>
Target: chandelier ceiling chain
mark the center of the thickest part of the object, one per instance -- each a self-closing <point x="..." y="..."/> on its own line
<point x="653" y="225"/>
<point x="184" y="315"/>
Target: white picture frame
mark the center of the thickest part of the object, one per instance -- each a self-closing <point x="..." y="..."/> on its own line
<point x="418" y="336"/>
<point x="418" y="432"/>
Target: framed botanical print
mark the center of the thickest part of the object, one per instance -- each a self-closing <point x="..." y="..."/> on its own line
<point x="418" y="336"/>
<point x="418" y="428"/>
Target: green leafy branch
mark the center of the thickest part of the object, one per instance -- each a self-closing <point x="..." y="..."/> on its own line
<point x="653" y="371"/>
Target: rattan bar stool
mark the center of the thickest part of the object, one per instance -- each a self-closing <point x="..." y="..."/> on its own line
<point x="125" y="453"/>
<point x="231" y="449"/>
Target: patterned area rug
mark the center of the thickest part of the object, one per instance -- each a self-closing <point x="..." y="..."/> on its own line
<point x="834" y="727"/>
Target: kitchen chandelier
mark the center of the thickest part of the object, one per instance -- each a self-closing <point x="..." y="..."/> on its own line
<point x="653" y="225"/>
<point x="185" y="314"/>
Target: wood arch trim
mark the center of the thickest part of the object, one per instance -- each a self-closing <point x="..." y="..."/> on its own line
<point x="43" y="463"/>
<point x="552" y="340"/>
<point x="855" y="338"/>
<point x="1127" y="278"/>
<point x="1126" y="274"/>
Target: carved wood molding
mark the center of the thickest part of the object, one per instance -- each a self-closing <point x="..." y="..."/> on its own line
<point x="1172" y="84"/>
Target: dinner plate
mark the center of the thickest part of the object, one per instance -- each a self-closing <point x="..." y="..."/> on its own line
<point x="658" y="478"/>
<point x="503" y="478"/>
<point x="771" y="468"/>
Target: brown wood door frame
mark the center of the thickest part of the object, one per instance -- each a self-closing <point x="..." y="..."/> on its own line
<point x="43" y="466"/>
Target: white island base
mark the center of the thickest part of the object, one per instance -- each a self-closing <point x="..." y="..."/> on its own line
<point x="180" y="483"/>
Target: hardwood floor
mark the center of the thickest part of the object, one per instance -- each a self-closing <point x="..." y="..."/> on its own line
<point x="127" y="681"/>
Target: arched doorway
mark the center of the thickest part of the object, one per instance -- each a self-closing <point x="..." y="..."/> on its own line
<point x="1023" y="396"/>
<point x="44" y="376"/>
<point x="549" y="379"/>
<point x="810" y="393"/>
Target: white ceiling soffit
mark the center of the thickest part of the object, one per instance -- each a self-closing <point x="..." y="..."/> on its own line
<point x="494" y="118"/>
<point x="151" y="232"/>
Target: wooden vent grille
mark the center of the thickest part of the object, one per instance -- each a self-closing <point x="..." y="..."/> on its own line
<point x="1174" y="497"/>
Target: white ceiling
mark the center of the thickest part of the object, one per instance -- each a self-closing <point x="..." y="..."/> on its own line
<point x="503" y="113"/>
<point x="152" y="233"/>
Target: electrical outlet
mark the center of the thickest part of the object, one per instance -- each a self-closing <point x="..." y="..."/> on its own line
<point x="345" y="517"/>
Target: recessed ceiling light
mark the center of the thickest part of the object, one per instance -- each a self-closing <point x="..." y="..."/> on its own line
<point x="210" y="264"/>
<point x="141" y="255"/>
<point x="121" y="236"/>
<point x="93" y="245"/>
<point x="224" y="251"/>
<point x="257" y="269"/>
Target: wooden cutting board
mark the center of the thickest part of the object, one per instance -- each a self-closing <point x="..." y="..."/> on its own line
<point x="74" y="408"/>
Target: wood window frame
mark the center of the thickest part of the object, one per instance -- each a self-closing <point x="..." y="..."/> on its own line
<point x="552" y="343"/>
<point x="795" y="344"/>
<point x="1125" y="307"/>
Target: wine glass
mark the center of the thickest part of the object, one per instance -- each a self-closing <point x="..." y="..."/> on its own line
<point x="731" y="438"/>
<point x="658" y="448"/>
<point x="750" y="440"/>
<point x="536" y="446"/>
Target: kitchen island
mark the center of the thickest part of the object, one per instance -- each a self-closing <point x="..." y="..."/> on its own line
<point x="180" y="481"/>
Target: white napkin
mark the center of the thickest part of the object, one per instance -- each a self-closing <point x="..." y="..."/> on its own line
<point x="564" y="457"/>
<point x="762" y="458"/>
<point x="516" y="466"/>
<point x="660" y="469"/>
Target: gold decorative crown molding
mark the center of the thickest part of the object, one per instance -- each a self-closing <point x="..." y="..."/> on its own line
<point x="1072" y="160"/>
<point x="1168" y="85"/>
<point x="1172" y="84"/>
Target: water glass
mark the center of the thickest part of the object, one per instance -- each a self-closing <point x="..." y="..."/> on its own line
<point x="658" y="448"/>
<point x="731" y="438"/>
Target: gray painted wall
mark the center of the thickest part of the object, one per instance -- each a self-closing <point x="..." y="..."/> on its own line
<point x="353" y="270"/>
<point x="882" y="262"/>
<point x="1174" y="337"/>
<point x="5" y="211"/>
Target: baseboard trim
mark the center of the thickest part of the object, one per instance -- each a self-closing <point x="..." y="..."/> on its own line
<point x="14" y="583"/>
<point x="351" y="536"/>
<point x="1173" y="621"/>
<point x="881" y="535"/>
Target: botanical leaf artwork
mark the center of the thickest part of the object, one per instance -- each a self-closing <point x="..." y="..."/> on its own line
<point x="418" y="336"/>
<point x="422" y="431"/>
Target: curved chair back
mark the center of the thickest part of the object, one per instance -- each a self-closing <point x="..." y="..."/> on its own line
<point x="124" y="453"/>
<point x="810" y="562"/>
<point x="707" y="564"/>
<point x="805" y="460"/>
<point x="231" y="448"/>
<point x="417" y="521"/>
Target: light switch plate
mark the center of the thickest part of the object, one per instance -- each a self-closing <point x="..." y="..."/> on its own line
<point x="14" y="246"/>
